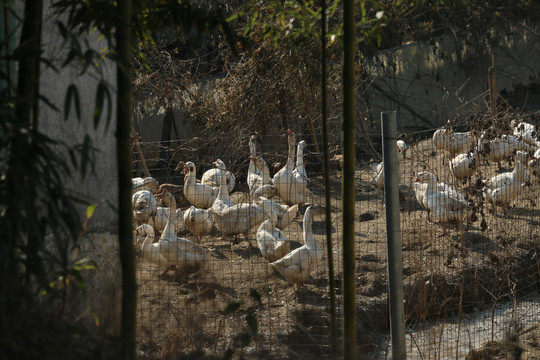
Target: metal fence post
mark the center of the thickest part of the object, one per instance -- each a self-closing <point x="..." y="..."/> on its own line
<point x="393" y="234"/>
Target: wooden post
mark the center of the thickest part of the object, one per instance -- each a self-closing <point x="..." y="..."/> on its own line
<point x="136" y="142"/>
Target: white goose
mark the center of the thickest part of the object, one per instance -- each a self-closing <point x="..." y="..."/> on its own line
<point x="420" y="189"/>
<point x="291" y="189"/>
<point x="187" y="256"/>
<point x="144" y="206"/>
<point x="147" y="183"/>
<point x="150" y="249"/>
<point x="453" y="142"/>
<point x="239" y="219"/>
<point x="200" y="195"/>
<point x="518" y="174"/>
<point x="501" y="147"/>
<point x="526" y="132"/>
<point x="212" y="177"/>
<point x="503" y="188"/>
<point x="198" y="221"/>
<point x="463" y="165"/>
<point x="258" y="175"/>
<point x="297" y="265"/>
<point x="443" y="204"/>
<point x="272" y="242"/>
<point x="378" y="168"/>
<point x="534" y="166"/>
<point x="223" y="199"/>
<point x="159" y="221"/>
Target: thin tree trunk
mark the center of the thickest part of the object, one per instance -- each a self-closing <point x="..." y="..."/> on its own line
<point x="125" y="226"/>
<point x="349" y="159"/>
<point x="326" y="156"/>
<point x="26" y="116"/>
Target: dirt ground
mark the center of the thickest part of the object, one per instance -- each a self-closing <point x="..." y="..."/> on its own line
<point x="240" y="307"/>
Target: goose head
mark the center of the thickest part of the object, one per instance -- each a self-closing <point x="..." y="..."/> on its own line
<point x="402" y="148"/>
<point x="522" y="157"/>
<point x="252" y="147"/>
<point x="292" y="137"/>
<point x="145" y="231"/>
<point x="425" y="177"/>
<point x="189" y="168"/>
<point x="259" y="162"/>
<point x="180" y="166"/>
<point x="220" y="164"/>
<point x="151" y="184"/>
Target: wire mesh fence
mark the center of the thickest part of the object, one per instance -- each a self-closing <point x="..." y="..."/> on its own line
<point x="469" y="246"/>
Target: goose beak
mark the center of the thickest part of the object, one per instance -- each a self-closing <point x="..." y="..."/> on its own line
<point x="417" y="180"/>
<point x="186" y="169"/>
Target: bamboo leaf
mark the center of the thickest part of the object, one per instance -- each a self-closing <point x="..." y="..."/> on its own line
<point x="90" y="211"/>
<point x="102" y="95"/>
<point x="85" y="155"/>
<point x="72" y="95"/>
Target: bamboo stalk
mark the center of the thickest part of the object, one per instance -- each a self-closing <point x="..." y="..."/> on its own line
<point x="327" y="195"/>
<point x="125" y="226"/>
<point x="348" y="130"/>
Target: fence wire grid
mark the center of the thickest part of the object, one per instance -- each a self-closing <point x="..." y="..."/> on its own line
<point x="470" y="256"/>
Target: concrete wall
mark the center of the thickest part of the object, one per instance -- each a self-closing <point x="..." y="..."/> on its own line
<point x="100" y="242"/>
<point x="441" y="79"/>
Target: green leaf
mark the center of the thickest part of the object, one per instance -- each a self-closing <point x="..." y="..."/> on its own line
<point x="96" y="318"/>
<point x="90" y="210"/>
<point x="72" y="95"/>
<point x="232" y="17"/>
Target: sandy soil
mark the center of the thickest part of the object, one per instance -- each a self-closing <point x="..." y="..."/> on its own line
<point x="239" y="305"/>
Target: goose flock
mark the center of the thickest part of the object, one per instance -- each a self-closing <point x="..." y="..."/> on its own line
<point x="273" y="205"/>
<point x="273" y="202"/>
<point x="467" y="151"/>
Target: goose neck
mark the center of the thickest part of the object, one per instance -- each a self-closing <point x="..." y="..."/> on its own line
<point x="223" y="190"/>
<point x="170" y="226"/>
<point x="309" y="239"/>
<point x="290" y="158"/>
<point x="300" y="157"/>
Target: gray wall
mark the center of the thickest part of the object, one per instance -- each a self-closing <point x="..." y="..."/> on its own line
<point x="441" y="80"/>
<point x="100" y="243"/>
